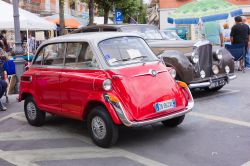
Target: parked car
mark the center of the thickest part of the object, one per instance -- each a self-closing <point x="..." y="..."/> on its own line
<point x="101" y="78"/>
<point x="170" y="35"/>
<point x="199" y="64"/>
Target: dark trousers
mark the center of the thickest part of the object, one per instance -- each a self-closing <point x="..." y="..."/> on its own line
<point x="3" y="87"/>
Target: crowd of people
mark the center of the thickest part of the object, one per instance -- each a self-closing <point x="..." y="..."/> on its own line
<point x="7" y="67"/>
<point x="238" y="34"/>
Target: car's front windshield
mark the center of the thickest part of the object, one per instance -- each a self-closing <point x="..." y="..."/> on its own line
<point x="122" y="51"/>
<point x="147" y="32"/>
<point x="170" y="35"/>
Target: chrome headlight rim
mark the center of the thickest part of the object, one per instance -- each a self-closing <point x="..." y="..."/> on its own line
<point x="195" y="57"/>
<point x="227" y="69"/>
<point x="219" y="54"/>
<point x="215" y="69"/>
<point x="173" y="73"/>
<point x="107" y="84"/>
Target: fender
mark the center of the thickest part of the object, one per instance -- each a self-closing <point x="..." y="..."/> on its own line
<point x="182" y="65"/>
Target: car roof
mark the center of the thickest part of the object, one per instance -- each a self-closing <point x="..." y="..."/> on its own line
<point x="115" y="26"/>
<point x="88" y="37"/>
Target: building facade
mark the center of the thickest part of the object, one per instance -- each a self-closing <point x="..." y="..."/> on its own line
<point x="50" y="7"/>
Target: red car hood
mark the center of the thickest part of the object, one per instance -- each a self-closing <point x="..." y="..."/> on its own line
<point x="139" y="91"/>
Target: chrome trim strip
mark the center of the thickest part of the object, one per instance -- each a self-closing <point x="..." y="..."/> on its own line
<point x="199" y="85"/>
<point x="232" y="77"/>
<point x="125" y="120"/>
<point x="150" y="73"/>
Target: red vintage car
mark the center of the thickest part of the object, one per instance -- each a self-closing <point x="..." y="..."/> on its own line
<point x="107" y="79"/>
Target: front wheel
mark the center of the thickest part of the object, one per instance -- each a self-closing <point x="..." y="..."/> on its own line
<point x="173" y="122"/>
<point x="101" y="128"/>
<point x="34" y="116"/>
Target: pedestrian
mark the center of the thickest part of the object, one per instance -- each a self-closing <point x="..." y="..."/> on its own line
<point x="3" y="84"/>
<point x="212" y="32"/>
<point x="31" y="43"/>
<point x="226" y="33"/>
<point x="240" y="34"/>
<point x="3" y="41"/>
<point x="10" y="68"/>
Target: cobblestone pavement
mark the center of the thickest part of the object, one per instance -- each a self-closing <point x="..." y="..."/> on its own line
<point x="217" y="132"/>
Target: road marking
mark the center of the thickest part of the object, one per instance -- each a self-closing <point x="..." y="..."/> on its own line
<point x="10" y="116"/>
<point x="28" y="157"/>
<point x="31" y="156"/>
<point x="216" y="95"/>
<point x="246" y="164"/>
<point x="220" y="119"/>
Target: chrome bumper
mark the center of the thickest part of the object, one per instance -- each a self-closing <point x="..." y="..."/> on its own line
<point x="125" y="120"/>
<point x="208" y="83"/>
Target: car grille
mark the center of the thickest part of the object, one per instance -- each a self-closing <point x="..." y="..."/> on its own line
<point x="205" y="59"/>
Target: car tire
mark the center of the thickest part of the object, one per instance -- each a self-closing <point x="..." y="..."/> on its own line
<point x="214" y="89"/>
<point x="101" y="128"/>
<point x="173" y="122"/>
<point x="34" y="116"/>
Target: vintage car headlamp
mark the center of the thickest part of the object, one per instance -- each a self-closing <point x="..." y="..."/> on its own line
<point x="195" y="57"/>
<point x="219" y="54"/>
<point x="173" y="73"/>
<point x="203" y="74"/>
<point x="227" y="69"/>
<point x="215" y="69"/>
<point x="107" y="85"/>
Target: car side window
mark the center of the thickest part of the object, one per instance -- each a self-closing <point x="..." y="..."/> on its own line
<point x="39" y="58"/>
<point x="80" y="55"/>
<point x="54" y="54"/>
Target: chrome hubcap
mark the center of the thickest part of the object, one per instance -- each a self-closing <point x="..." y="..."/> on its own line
<point x="31" y="111"/>
<point x="98" y="127"/>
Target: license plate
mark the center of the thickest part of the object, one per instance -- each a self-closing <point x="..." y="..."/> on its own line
<point x="165" y="105"/>
<point x="217" y="83"/>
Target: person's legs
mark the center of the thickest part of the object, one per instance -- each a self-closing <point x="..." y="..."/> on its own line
<point x="3" y="87"/>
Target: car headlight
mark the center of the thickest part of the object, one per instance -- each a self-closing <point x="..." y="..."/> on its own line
<point x="173" y="73"/>
<point x="227" y="69"/>
<point x="107" y="85"/>
<point x="203" y="74"/>
<point x="215" y="69"/>
<point x="219" y="54"/>
<point x="195" y="57"/>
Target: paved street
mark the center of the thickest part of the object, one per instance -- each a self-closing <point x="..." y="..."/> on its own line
<point x="216" y="133"/>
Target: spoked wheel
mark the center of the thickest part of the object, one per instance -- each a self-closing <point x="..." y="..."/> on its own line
<point x="102" y="130"/>
<point x="174" y="122"/>
<point x="34" y="116"/>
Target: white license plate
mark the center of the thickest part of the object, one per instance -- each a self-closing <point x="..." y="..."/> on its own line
<point x="165" y="105"/>
<point x="218" y="83"/>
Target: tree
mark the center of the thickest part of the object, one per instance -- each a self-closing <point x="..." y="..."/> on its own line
<point x="91" y="10"/>
<point x="61" y="17"/>
<point x="106" y="6"/>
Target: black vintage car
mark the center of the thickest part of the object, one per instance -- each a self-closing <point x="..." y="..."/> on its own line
<point x="199" y="64"/>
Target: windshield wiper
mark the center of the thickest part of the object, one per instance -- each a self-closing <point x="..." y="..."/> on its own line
<point x="143" y="56"/>
<point x="121" y="60"/>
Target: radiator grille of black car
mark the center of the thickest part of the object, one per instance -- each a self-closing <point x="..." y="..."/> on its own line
<point x="205" y="58"/>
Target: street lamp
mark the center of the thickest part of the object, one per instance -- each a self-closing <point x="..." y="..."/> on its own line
<point x="18" y="50"/>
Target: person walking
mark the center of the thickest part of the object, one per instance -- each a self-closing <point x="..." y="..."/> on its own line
<point x="3" y="41"/>
<point x="212" y="31"/>
<point x="3" y="84"/>
<point x="240" y="34"/>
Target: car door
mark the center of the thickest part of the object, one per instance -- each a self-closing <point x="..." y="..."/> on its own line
<point x="47" y="77"/>
<point x="77" y="79"/>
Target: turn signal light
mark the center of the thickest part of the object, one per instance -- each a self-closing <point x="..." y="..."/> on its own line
<point x="182" y="84"/>
<point x="113" y="98"/>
